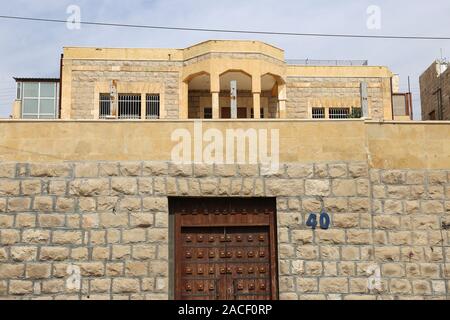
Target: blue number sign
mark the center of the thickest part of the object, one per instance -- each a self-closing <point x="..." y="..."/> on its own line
<point x="324" y="221"/>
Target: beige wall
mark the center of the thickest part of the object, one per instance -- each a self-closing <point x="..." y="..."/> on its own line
<point x="387" y="145"/>
<point x="94" y="195"/>
<point x="171" y="70"/>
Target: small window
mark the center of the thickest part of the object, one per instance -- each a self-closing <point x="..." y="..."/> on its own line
<point x="105" y="105"/>
<point x="339" y="113"/>
<point x="19" y="91"/>
<point x="152" y="106"/>
<point x="318" y="113"/>
<point x="129" y="106"/>
<point x="207" y="113"/>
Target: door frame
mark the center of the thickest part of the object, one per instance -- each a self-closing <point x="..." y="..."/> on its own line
<point x="174" y="206"/>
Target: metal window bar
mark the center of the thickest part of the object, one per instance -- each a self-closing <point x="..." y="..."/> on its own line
<point x="152" y="106"/>
<point x="318" y="113"/>
<point x="129" y="106"/>
<point x="105" y="105"/>
<point x="339" y="113"/>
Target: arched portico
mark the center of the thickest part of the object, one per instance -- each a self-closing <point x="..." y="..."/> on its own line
<point x="261" y="91"/>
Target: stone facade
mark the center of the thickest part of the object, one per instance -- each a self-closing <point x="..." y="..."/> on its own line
<point x="86" y="73"/>
<point x="305" y="93"/>
<point x="292" y="90"/>
<point x="110" y="221"/>
<point x="431" y="81"/>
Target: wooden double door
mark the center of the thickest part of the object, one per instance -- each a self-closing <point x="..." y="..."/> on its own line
<point x="225" y="249"/>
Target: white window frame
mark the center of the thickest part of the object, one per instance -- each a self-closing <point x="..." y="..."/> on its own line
<point x="39" y="115"/>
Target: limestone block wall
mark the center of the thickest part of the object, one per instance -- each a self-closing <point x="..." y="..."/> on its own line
<point x="110" y="219"/>
<point x="430" y="83"/>
<point x="77" y="196"/>
<point x="394" y="222"/>
<point x="304" y="93"/>
<point x="85" y="74"/>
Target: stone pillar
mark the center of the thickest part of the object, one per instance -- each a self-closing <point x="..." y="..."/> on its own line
<point x="184" y="105"/>
<point x="215" y="90"/>
<point x="215" y="105"/>
<point x="143" y="106"/>
<point x="257" y="105"/>
<point x="282" y="100"/>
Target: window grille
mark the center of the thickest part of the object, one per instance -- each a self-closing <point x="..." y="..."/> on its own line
<point x="339" y="113"/>
<point x="19" y="91"/>
<point x="105" y="105"/>
<point x="152" y="106"/>
<point x="129" y="106"/>
<point x="318" y="113"/>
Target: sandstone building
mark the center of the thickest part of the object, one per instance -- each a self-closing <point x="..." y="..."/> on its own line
<point x="93" y="205"/>
<point x="435" y="91"/>
<point x="194" y="83"/>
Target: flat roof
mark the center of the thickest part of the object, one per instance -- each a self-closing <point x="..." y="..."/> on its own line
<point x="25" y="79"/>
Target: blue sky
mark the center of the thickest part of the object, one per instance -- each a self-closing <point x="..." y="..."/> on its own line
<point x="33" y="48"/>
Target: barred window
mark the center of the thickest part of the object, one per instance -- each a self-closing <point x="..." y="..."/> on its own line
<point x="318" y="113"/>
<point x="105" y="105"/>
<point x="339" y="113"/>
<point x="152" y="106"/>
<point x="129" y="106"/>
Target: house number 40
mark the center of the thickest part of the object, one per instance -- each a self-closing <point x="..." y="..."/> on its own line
<point x="324" y="221"/>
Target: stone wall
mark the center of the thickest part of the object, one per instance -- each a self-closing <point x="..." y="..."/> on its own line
<point x="304" y="93"/>
<point x="430" y="83"/>
<point x="394" y="221"/>
<point x="111" y="220"/>
<point x="86" y="73"/>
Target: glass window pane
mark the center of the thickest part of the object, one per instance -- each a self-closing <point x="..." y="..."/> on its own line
<point x="48" y="90"/>
<point x="30" y="106"/>
<point x="31" y="89"/>
<point x="30" y="116"/>
<point x="47" y="106"/>
<point x="19" y="91"/>
<point x="46" y="117"/>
